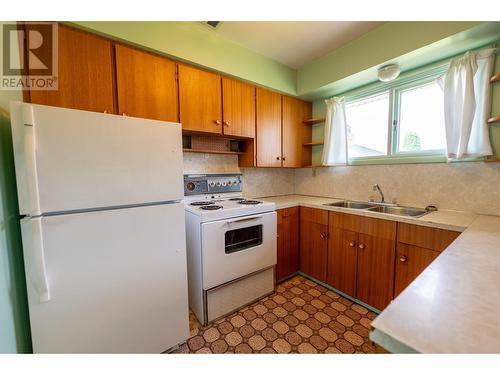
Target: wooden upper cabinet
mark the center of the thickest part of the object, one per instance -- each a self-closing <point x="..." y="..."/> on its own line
<point x="268" y="128"/>
<point x="314" y="242"/>
<point x="146" y="85"/>
<point x="295" y="134"/>
<point x="86" y="73"/>
<point x="200" y="99"/>
<point x="238" y="108"/>
<point x="288" y="242"/>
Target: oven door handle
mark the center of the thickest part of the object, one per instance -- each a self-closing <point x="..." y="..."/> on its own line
<point x="229" y="222"/>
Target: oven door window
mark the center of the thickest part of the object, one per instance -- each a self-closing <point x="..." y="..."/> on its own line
<point x="243" y="238"/>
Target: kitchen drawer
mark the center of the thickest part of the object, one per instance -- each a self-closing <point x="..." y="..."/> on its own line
<point x="426" y="237"/>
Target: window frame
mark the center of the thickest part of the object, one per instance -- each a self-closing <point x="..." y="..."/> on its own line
<point x="396" y="122"/>
<point x="418" y="78"/>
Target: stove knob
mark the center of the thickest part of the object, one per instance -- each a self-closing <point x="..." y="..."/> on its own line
<point x="229" y="183"/>
<point x="218" y="183"/>
<point x="224" y="183"/>
<point x="190" y="186"/>
<point x="235" y="182"/>
<point x="211" y="183"/>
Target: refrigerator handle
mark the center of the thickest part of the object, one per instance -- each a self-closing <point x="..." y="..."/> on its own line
<point x="38" y="269"/>
<point x="31" y="170"/>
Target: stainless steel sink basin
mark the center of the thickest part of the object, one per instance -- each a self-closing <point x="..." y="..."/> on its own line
<point x="351" y="204"/>
<point x="402" y="211"/>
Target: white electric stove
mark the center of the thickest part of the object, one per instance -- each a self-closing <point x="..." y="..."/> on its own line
<point x="231" y="245"/>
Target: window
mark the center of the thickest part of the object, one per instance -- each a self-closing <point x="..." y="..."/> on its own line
<point x="367" y="126"/>
<point x="420" y="126"/>
<point x="403" y="118"/>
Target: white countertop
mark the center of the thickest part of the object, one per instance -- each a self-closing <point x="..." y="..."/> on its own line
<point x="454" y="305"/>
<point x="444" y="219"/>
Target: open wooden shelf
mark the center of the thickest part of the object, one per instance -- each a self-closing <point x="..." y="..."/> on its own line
<point x="313" y="143"/>
<point x="313" y="121"/>
<point x="212" y="151"/>
<point x="495" y="78"/>
<point x="493" y="119"/>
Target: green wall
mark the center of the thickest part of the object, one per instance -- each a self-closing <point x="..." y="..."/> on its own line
<point x="393" y="40"/>
<point x="193" y="42"/>
<point x="14" y="321"/>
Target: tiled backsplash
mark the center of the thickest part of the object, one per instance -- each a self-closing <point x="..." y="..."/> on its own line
<point x="257" y="182"/>
<point x="467" y="186"/>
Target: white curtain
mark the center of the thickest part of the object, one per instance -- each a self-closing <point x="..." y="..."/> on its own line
<point x="467" y="103"/>
<point x="335" y="147"/>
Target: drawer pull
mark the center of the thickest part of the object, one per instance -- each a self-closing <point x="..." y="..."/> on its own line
<point x="361" y="245"/>
<point x="352" y="243"/>
<point x="403" y="258"/>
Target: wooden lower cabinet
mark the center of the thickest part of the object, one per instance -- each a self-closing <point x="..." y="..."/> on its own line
<point x="375" y="270"/>
<point x="288" y="242"/>
<point x="417" y="248"/>
<point x="342" y="260"/>
<point x="411" y="260"/>
<point x="369" y="259"/>
<point x="361" y="253"/>
<point x="313" y="242"/>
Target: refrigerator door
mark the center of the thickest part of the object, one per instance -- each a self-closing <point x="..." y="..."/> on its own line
<point x="74" y="160"/>
<point x="110" y="281"/>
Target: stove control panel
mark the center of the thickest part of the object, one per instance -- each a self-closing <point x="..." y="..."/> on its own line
<point x="212" y="183"/>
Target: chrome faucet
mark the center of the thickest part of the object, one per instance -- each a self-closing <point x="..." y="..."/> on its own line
<point x="375" y="188"/>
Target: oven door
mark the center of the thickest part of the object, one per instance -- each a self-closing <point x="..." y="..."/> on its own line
<point x="232" y="248"/>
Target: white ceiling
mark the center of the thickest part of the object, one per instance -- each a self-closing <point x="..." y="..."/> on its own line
<point x="294" y="43"/>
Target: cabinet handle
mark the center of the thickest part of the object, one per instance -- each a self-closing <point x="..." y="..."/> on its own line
<point x="277" y="158"/>
<point x="352" y="243"/>
<point x="361" y="245"/>
<point x="124" y="114"/>
<point x="403" y="258"/>
<point x="324" y="235"/>
<point x="217" y="122"/>
<point x="226" y="123"/>
<point x="105" y="111"/>
<point x="283" y="158"/>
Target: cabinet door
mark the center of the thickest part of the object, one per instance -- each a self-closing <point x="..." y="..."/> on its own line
<point x="342" y="258"/>
<point x="410" y="262"/>
<point x="239" y="108"/>
<point x="288" y="242"/>
<point x="86" y="73"/>
<point x="146" y="85"/>
<point x="295" y="133"/>
<point x="313" y="242"/>
<point x="200" y="98"/>
<point x="375" y="270"/>
<point x="268" y="128"/>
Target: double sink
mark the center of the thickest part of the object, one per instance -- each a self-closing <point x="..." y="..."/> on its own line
<point x="380" y="207"/>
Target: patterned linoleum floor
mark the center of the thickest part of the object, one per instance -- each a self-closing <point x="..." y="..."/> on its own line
<point x="300" y="317"/>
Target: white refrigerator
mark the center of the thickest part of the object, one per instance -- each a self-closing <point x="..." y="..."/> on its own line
<point x="102" y="223"/>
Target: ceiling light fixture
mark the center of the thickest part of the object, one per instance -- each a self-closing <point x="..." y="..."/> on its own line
<point x="388" y="72"/>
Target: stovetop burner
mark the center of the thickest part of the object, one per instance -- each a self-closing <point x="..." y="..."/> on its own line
<point x="236" y="199"/>
<point x="211" y="207"/>
<point x="201" y="203"/>
<point x="247" y="201"/>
